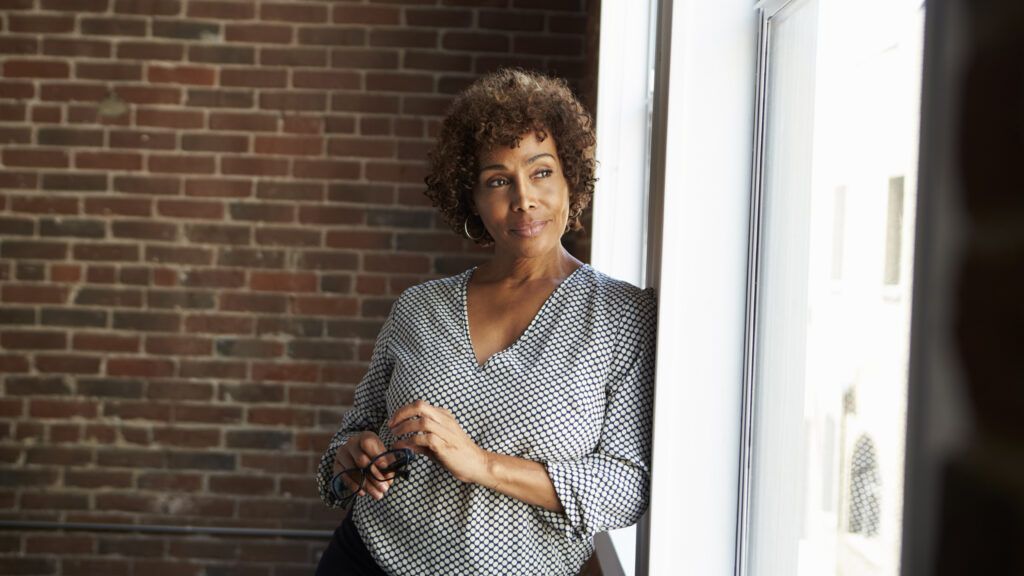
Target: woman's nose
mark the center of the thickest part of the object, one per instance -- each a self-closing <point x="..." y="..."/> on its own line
<point x="524" y="195"/>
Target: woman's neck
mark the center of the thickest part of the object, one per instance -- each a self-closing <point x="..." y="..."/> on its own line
<point x="513" y="270"/>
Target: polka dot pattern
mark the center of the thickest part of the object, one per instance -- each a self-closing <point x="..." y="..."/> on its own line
<point x="574" y="392"/>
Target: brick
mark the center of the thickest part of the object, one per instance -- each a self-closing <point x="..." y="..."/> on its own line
<point x="218" y="188"/>
<point x="36" y="386"/>
<point x="271" y="190"/>
<point x="243" y="122"/>
<point x="141" y="139"/>
<point x="138" y="547"/>
<point x="301" y="327"/>
<point x="403" y="38"/>
<point x="126" y="502"/>
<point x="178" y="346"/>
<point x="17" y="249"/>
<point x="177" y="299"/>
<point x="75" y="228"/>
<point x="105" y="343"/>
<point x="263" y="212"/>
<point x="178" y="255"/>
<point x="195" y="209"/>
<point x="150" y="51"/>
<point x="169" y="118"/>
<point x="326" y="80"/>
<point x="110" y="388"/>
<point x="119" y="206"/>
<point x="320" y="350"/>
<point x="547" y="45"/>
<point x="253" y="166"/>
<point x="67" y="364"/>
<point x="258" y="33"/>
<point x="30" y="271"/>
<point x="238" y="484"/>
<point x="219" y="99"/>
<point x="12" y="180"/>
<point x="185" y="29"/>
<point x="60" y="543"/>
<point x="17" y="315"/>
<point x="149" y="95"/>
<point x="73" y="317"/>
<point x="272" y="416"/>
<point x="288" y="237"/>
<point x="148" y="7"/>
<point x="362" y="102"/>
<point x="73" y="47"/>
<point x="33" y="293"/>
<point x="19" y="478"/>
<point x="339" y="284"/>
<point x="74" y="181"/>
<point x="197" y="369"/>
<point x="251" y="258"/>
<point x="179" y="390"/>
<point x="16" y="227"/>
<point x="325" y="305"/>
<point x="73" y="92"/>
<point x="289" y="145"/>
<point x="36" y="158"/>
<point x="426" y="105"/>
<point x="248" y="348"/>
<point x="43" y="24"/>
<point x="258" y="439"/>
<point x="282" y="282"/>
<point x="200" y="461"/>
<point x="361" y="147"/>
<point x="294" y="101"/>
<point x="295" y="124"/>
<point x="108" y="161"/>
<point x="147" y="321"/>
<point x="212" y="324"/>
<point x="222" y="54"/>
<point x="58" y="456"/>
<point x="380" y="171"/>
<point x="187" y="437"/>
<point x="216" y="143"/>
<point x="508" y="20"/>
<point x="251" y="393"/>
<point x="242" y="302"/>
<point x="355" y="58"/>
<point x="191" y="75"/>
<point x="109" y="297"/>
<point x="113" y="27"/>
<point x="399" y="218"/>
<point x="438" y="18"/>
<point x="38" y="205"/>
<point x="295" y="57"/>
<point x="416" y="60"/>
<point x="75" y="5"/>
<point x="218" y="234"/>
<point x="221" y="10"/>
<point x="16" y="90"/>
<point x="248" y="78"/>
<point x="65" y="273"/>
<point x="169" y="482"/>
<point x="284" y="372"/>
<point x="106" y="252"/>
<point x="13" y="68"/>
<point x="101" y="274"/>
<point x="333" y="260"/>
<point x="326" y="169"/>
<point x="117" y="71"/>
<point x="143" y="230"/>
<point x="139" y="367"/>
<point x="332" y="36"/>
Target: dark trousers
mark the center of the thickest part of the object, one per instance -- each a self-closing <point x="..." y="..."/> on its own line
<point x="346" y="555"/>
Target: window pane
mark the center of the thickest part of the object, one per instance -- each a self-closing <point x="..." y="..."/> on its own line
<point x="832" y="315"/>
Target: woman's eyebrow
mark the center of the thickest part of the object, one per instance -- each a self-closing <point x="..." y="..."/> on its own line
<point x="530" y="160"/>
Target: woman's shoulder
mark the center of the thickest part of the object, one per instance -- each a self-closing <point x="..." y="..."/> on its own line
<point x="438" y="288"/>
<point x="615" y="292"/>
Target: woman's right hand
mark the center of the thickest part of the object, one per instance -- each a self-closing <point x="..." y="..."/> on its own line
<point x="357" y="453"/>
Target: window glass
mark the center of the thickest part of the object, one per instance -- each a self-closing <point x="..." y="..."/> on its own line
<point x="831" y="313"/>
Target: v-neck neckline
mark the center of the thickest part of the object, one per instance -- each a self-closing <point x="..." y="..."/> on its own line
<point x="468" y="338"/>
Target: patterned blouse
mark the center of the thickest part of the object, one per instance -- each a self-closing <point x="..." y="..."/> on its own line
<point x="574" y="392"/>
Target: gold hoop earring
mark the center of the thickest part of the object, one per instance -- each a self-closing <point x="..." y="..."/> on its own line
<point x="465" y="228"/>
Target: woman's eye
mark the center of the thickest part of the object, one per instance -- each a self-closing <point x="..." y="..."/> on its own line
<point x="543" y="173"/>
<point x="497" y="182"/>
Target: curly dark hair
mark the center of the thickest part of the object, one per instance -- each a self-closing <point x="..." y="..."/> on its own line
<point x="498" y="109"/>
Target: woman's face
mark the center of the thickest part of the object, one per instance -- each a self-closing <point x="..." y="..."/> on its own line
<point x="522" y="197"/>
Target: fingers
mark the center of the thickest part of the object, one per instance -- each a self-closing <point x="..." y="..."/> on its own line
<point x="420" y="409"/>
<point x="357" y="453"/>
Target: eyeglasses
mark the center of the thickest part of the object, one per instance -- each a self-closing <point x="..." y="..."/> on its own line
<point x="383" y="468"/>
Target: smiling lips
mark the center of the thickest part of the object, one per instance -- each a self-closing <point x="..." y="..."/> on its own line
<point x="529" y="229"/>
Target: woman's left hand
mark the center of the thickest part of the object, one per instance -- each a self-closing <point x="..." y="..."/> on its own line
<point x="431" y="430"/>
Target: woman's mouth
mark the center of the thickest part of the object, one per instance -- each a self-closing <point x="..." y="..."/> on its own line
<point x="530" y="229"/>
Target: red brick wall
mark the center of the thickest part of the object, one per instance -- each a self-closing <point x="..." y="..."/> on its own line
<point x="206" y="207"/>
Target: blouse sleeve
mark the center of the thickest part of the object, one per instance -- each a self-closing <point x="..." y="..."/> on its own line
<point x="369" y="408"/>
<point x="609" y="488"/>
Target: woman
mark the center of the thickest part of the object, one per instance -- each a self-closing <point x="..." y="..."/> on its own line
<point x="524" y="385"/>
